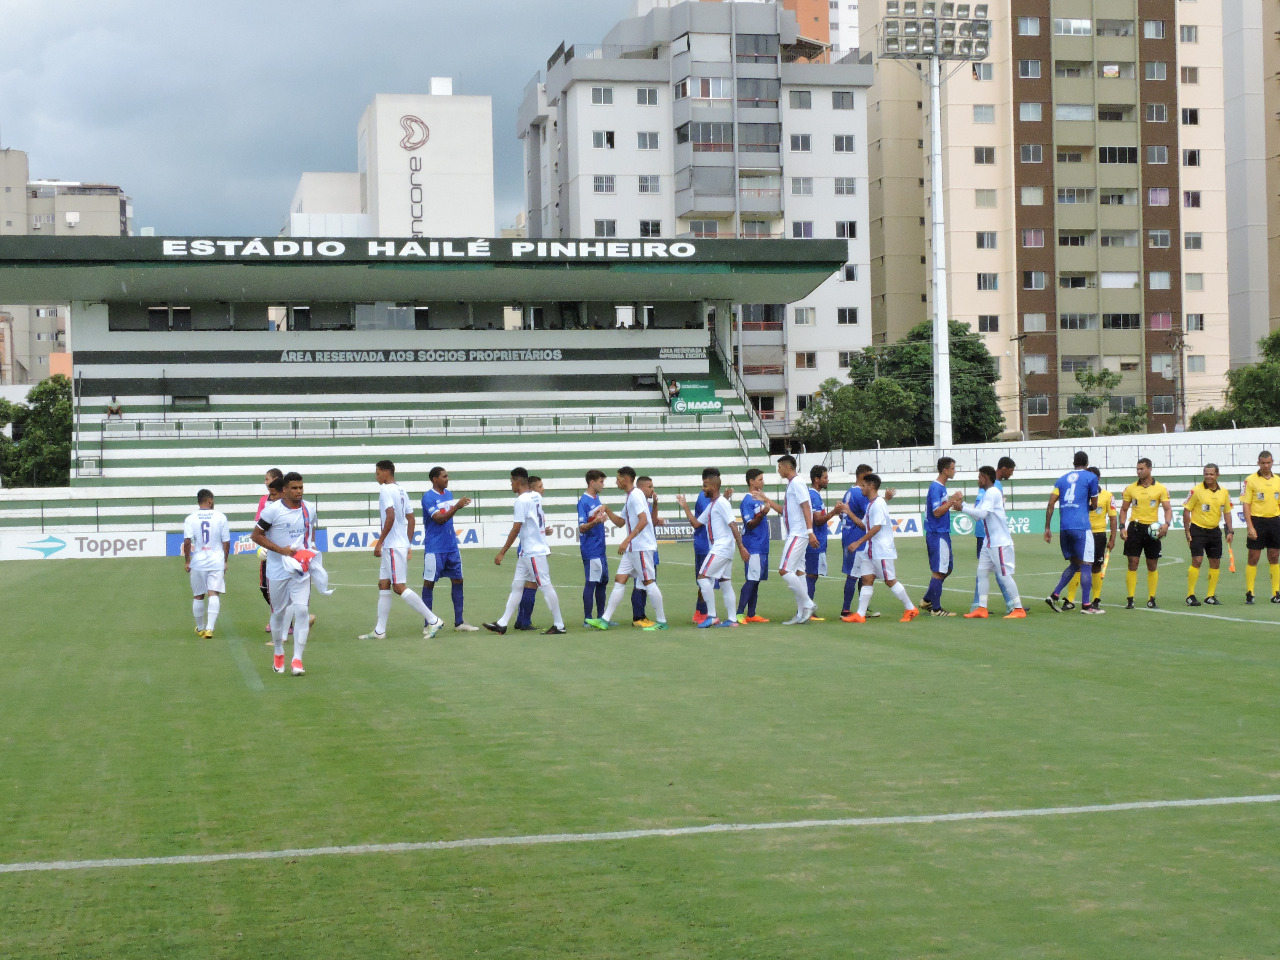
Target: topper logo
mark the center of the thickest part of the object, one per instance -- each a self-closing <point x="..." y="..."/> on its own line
<point x="416" y="133"/>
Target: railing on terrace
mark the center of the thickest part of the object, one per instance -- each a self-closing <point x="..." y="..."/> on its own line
<point x="762" y="370"/>
<point x="762" y="325"/>
<point x="740" y="389"/>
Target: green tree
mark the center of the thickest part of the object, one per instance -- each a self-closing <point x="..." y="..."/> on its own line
<point x="847" y="416"/>
<point x="1252" y="395"/>
<point x="39" y="455"/>
<point x="1095" y="392"/>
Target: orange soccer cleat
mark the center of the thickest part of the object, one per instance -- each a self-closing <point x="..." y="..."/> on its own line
<point x="854" y="618"/>
<point x="910" y="615"/>
<point x="278" y="663"/>
<point x="978" y="613"/>
<point x="1017" y="613"/>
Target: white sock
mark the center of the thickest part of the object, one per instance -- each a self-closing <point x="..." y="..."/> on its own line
<point x="417" y="606"/>
<point x="213" y="606"/>
<point x="730" y="599"/>
<point x="301" y="627"/>
<point x="553" y="604"/>
<point x="197" y="611"/>
<point x="899" y="591"/>
<point x="799" y="589"/>
<point x="513" y="602"/>
<point x="984" y="593"/>
<point x="655" y="597"/>
<point x="279" y="628"/>
<point x="708" y="596"/>
<point x="615" y="598"/>
<point x="1011" y="589"/>
<point x="864" y="598"/>
<point x="384" y="611"/>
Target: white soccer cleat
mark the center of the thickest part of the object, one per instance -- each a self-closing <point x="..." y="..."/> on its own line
<point x="298" y="671"/>
<point x="372" y="635"/>
<point x="794" y="621"/>
<point x="431" y="630"/>
<point x="465" y="628"/>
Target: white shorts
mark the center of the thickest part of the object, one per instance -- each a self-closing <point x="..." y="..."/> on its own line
<point x="880" y="569"/>
<point x="716" y="567"/>
<point x="534" y="570"/>
<point x="997" y="560"/>
<point x="755" y="567"/>
<point x="296" y="591"/>
<point x="793" y="552"/>
<point x="208" y="581"/>
<point x="638" y="564"/>
<point x="394" y="564"/>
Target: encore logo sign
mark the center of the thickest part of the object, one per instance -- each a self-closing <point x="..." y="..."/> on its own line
<point x="416" y="135"/>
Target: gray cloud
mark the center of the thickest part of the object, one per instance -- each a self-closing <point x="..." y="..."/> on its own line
<point x="207" y="113"/>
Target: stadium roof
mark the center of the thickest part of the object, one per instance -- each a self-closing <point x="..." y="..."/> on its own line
<point x="257" y="269"/>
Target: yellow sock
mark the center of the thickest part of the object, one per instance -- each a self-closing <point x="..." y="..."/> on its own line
<point x="1250" y="578"/>
<point x="1193" y="577"/>
<point x="1213" y="582"/>
<point x="1275" y="578"/>
<point x="1072" y="587"/>
<point x="1131" y="582"/>
<point x="1097" y="585"/>
<point x="1153" y="577"/>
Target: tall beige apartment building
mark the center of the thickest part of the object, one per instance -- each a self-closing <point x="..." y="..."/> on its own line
<point x="1271" y="121"/>
<point x="1084" y="179"/>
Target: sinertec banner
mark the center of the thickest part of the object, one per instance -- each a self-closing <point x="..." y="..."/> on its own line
<point x="81" y="546"/>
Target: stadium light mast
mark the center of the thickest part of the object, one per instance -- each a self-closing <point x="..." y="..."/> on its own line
<point x="925" y="30"/>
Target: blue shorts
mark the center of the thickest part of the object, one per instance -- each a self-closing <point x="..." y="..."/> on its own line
<point x="1076" y="544"/>
<point x="595" y="570"/>
<point x="698" y="557"/>
<point x="940" y="558"/>
<point x="756" y="567"/>
<point x="441" y="566"/>
<point x="847" y="559"/>
<point x="815" y="562"/>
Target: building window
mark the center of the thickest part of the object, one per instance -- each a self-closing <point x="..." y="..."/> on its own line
<point x="1153" y="29"/>
<point x="803" y="316"/>
<point x="606" y="228"/>
<point x="1118" y="238"/>
<point x="986" y="240"/>
<point x="1033" y="363"/>
<point x="1031" y="196"/>
<point x="802" y="186"/>
<point x="1155" y="112"/>
<point x="842" y="100"/>
<point x="1188" y="34"/>
<point x="1075" y="195"/>
<point x="759" y="137"/>
<point x="707" y="137"/>
<point x="1117" y="154"/>
<point x="983" y="71"/>
<point x="802" y="401"/>
<point x="1195" y="363"/>
<point x="801" y="229"/>
<point x="1190" y="75"/>
<point x="1034" y="322"/>
<point x="650" y="183"/>
<point x="1072" y="364"/>
<point x="1033" y="279"/>
<point x="756" y="47"/>
<point x="1033" y="237"/>
<point x="984" y="155"/>
<point x="1038" y="406"/>
<point x="602" y="184"/>
<point x="846" y="229"/>
<point x="650" y="228"/>
<point x="988" y="323"/>
<point x="984" y="113"/>
<point x="755" y="229"/>
<point x="1028" y="26"/>
<point x="1072" y="28"/>
<point x="1191" y="198"/>
<point x="647" y="96"/>
<point x="1121" y="321"/>
<point x="647" y="140"/>
<point x="1028" y="70"/>
<point x="1157" y="196"/>
<point x="1158" y="239"/>
<point x="1157" y="153"/>
<point x="1159" y="280"/>
<point x="1077" y="321"/>
<point x="1162" y="404"/>
<point x="602" y="139"/>
<point x="1122" y="404"/>
<point x="1071" y="155"/>
<point x="1193" y="241"/>
<point x="1155" y="70"/>
<point x="844" y="143"/>
<point x="850" y="272"/>
<point x="1031" y="153"/>
<point x="847" y="315"/>
<point x="1193" y="281"/>
<point x="703" y="229"/>
<point x="801" y="143"/>
<point x="800" y="99"/>
<point x="602" y="95"/>
<point x="1161" y="321"/>
<point x="845" y="358"/>
<point x="988" y="281"/>
<point x="1190" y="116"/>
<point x="1191" y="158"/>
<point x="1030" y="112"/>
<point x="846" y="186"/>
<point x="806" y="360"/>
<point x="1073" y="111"/>
<point x="1195" y="322"/>
<point x="981" y="198"/>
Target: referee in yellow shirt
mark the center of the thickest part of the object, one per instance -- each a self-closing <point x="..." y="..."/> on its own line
<point x="1201" y="516"/>
<point x="1147" y="497"/>
<point x="1261" y="504"/>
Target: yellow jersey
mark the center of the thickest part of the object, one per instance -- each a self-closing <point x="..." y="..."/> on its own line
<point x="1146" y="501"/>
<point x="1262" y="496"/>
<point x="1098" y="515"/>
<point x="1206" y="506"/>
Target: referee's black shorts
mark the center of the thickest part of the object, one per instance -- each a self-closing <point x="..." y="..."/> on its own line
<point x="1138" y="541"/>
<point x="1206" y="541"/>
<point x="1099" y="551"/>
<point x="1268" y="534"/>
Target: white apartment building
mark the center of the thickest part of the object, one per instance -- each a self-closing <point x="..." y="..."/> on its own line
<point x="696" y="120"/>
<point x="424" y="168"/>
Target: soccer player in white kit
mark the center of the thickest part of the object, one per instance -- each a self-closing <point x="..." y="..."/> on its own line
<point x="638" y="550"/>
<point x="879" y="558"/>
<point x="206" y="544"/>
<point x="392" y="547"/>
<point x="533" y="569"/>
<point x="286" y="526"/>
<point x="797" y="537"/>
<point x="717" y="566"/>
<point x="997" y="548"/>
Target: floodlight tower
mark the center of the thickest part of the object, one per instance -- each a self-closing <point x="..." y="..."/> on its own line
<point x="936" y="31"/>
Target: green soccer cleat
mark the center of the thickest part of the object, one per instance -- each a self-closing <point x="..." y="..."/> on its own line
<point x="660" y="625"/>
<point x="597" y="623"/>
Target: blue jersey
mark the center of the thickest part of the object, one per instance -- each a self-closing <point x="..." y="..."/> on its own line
<point x="756" y="539"/>
<point x="820" y="530"/>
<point x="701" y="542"/>
<point x="980" y="528"/>
<point x="1074" y="491"/>
<point x="437" y="537"/>
<point x="591" y="543"/>
<point x="856" y="500"/>
<point x="936" y="498"/>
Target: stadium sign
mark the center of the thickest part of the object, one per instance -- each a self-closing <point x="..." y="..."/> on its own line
<point x="61" y="545"/>
<point x="681" y="405"/>
<point x="469" y="249"/>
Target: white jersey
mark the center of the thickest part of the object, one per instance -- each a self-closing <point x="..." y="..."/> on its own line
<point x="207" y="530"/>
<point x="287" y="528"/>
<point x="990" y="510"/>
<point x="392" y="496"/>
<point x="881" y="546"/>
<point x="635" y="508"/>
<point x="718" y="519"/>
<point x="528" y="513"/>
<point x="796" y="499"/>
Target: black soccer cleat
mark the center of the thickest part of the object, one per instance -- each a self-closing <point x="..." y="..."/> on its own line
<point x="1276" y="598"/>
<point x="1248" y="599"/>
<point x="495" y="627"/>
<point x="554" y="631"/>
<point x="1128" y="604"/>
<point x="1068" y="605"/>
<point x="1052" y="601"/>
<point x="1212" y="601"/>
<point x="1192" y="602"/>
<point x="1097" y="603"/>
<point x="1151" y="603"/>
<point x="524" y="626"/>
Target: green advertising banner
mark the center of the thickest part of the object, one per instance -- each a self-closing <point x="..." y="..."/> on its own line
<point x="694" y="397"/>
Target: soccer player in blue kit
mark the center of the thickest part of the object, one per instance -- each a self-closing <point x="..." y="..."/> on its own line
<point x="937" y="537"/>
<point x="1076" y="494"/>
<point x="701" y="545"/>
<point x="755" y="537"/>
<point x="440" y="555"/>
<point x="591" y="543"/>
<point x="815" y="558"/>
<point x="854" y="507"/>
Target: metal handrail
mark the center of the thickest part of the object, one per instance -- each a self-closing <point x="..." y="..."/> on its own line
<point x="740" y="389"/>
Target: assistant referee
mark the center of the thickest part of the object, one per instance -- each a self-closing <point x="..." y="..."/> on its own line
<point x="1201" y="516"/>
<point x="1261" y="503"/>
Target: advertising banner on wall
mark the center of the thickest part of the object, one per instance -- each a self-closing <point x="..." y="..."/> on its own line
<point x="241" y="545"/>
<point x="81" y="546"/>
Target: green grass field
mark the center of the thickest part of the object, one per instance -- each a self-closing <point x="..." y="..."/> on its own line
<point x="125" y="736"/>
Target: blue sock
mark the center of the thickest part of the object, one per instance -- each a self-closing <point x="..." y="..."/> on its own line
<point x="427" y="594"/>
<point x="811" y="584"/>
<point x="638" y="599"/>
<point x="755" y="595"/>
<point x="850" y="591"/>
<point x="525" y="616"/>
<point x="600" y="600"/>
<point x="1066" y="578"/>
<point x="456" y="593"/>
<point x="1086" y="584"/>
<point x="588" y="598"/>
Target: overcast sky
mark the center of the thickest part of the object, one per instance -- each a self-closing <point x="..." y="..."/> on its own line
<point x="206" y="113"/>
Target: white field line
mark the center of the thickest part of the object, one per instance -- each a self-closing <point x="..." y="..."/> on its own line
<point x="562" y="838"/>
